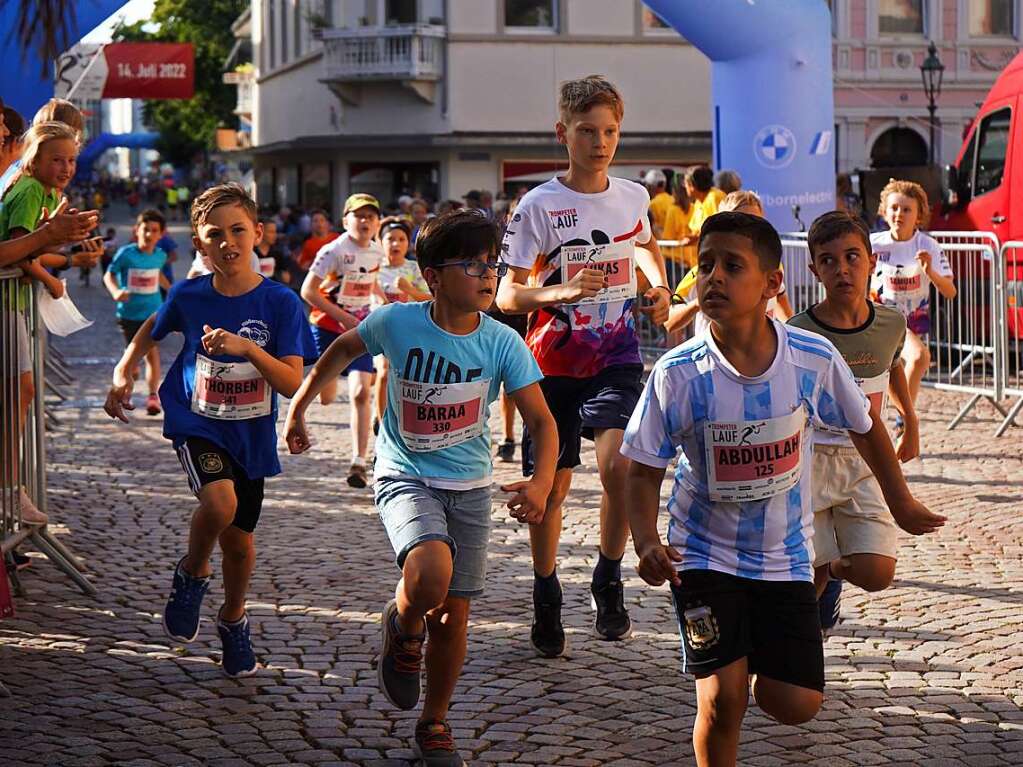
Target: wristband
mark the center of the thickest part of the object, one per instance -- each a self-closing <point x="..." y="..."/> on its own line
<point x="69" y="258"/>
<point x="665" y="287"/>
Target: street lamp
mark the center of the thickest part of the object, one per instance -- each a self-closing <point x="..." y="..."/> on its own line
<point x="932" y="71"/>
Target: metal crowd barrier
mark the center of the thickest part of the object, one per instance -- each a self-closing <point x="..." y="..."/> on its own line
<point x="1010" y="258"/>
<point x="23" y="442"/>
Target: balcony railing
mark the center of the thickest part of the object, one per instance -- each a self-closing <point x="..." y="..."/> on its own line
<point x="401" y="53"/>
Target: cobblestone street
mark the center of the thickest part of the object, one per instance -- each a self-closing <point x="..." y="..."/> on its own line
<point x="929" y="672"/>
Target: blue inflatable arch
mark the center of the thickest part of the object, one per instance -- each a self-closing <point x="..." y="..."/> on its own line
<point x="104" y="141"/>
<point x="772" y="96"/>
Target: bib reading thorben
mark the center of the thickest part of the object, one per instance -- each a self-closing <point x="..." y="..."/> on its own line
<point x="356" y="288"/>
<point x="617" y="262"/>
<point x="229" y="391"/>
<point x="753" y="460"/>
<point x="143" y="281"/>
<point x="903" y="284"/>
<point x="434" y="416"/>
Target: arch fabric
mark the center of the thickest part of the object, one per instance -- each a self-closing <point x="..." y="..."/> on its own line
<point x="24" y="87"/>
<point x="104" y="141"/>
<point x="772" y="96"/>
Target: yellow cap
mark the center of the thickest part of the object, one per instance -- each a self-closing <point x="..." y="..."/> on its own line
<point x="360" y="200"/>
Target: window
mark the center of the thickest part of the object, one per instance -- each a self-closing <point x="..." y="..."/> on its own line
<point x="400" y="12"/>
<point x="316" y="185"/>
<point x="901" y="17"/>
<point x="531" y="14"/>
<point x="964" y="171"/>
<point x="654" y="24"/>
<point x="991" y="149"/>
<point x="991" y="18"/>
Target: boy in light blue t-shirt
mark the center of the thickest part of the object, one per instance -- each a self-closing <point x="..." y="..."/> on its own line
<point x="134" y="280"/>
<point x="448" y="360"/>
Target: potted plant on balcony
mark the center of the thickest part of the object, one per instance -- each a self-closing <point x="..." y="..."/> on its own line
<point x="317" y="22"/>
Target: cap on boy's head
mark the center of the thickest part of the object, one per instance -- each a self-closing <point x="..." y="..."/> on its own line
<point x="833" y="225"/>
<point x="655" y="177"/>
<point x="578" y="96"/>
<point x="219" y="196"/>
<point x="766" y="242"/>
<point x="458" y="234"/>
<point x="360" y="200"/>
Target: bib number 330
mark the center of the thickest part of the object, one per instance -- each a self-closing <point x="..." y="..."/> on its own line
<point x="435" y="416"/>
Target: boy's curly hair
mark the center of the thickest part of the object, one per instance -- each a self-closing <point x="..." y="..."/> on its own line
<point x="909" y="189"/>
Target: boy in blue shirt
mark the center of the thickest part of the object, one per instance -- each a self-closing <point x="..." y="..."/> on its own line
<point x="245" y="339"/>
<point x="134" y="280"/>
<point x="433" y="469"/>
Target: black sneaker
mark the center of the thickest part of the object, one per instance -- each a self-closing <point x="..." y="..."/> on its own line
<point x="830" y="605"/>
<point x="400" y="661"/>
<point x="434" y="746"/>
<point x="547" y="634"/>
<point x="506" y="451"/>
<point x="612" y="621"/>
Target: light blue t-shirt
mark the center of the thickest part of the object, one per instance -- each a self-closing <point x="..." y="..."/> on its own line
<point x="138" y="273"/>
<point x="439" y="390"/>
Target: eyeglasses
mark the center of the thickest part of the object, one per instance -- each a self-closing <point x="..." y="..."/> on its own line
<point x="476" y="268"/>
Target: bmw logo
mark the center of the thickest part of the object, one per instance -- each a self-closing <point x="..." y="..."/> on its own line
<point x="774" y="146"/>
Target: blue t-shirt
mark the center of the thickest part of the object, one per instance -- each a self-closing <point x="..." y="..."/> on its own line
<point x="139" y="273"/>
<point x="170" y="247"/>
<point x="223" y="398"/>
<point x="439" y="390"/>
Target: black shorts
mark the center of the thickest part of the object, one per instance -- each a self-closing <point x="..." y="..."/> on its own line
<point x="580" y="406"/>
<point x="129" y="328"/>
<point x="516" y="322"/>
<point x="205" y="462"/>
<point x="773" y="624"/>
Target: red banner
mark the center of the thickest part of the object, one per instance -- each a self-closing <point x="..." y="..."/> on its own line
<point x="149" y="71"/>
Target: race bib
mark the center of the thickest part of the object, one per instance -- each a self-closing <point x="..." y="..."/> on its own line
<point x="229" y="391"/>
<point x="266" y="266"/>
<point x="356" y="289"/>
<point x="435" y="416"/>
<point x="754" y="460"/>
<point x="617" y="262"/>
<point x="143" y="281"/>
<point x="903" y="285"/>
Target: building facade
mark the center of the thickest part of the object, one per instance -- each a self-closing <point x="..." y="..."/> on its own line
<point x="444" y="96"/>
<point x="881" y="110"/>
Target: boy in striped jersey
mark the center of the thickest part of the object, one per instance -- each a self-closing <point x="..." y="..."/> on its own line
<point x="742" y="401"/>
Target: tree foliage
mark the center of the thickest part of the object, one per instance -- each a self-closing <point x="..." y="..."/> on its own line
<point x="187" y="127"/>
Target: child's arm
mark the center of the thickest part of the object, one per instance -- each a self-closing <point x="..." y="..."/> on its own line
<point x="908" y="446"/>
<point x="529" y="504"/>
<point x="643" y="488"/>
<point x="514" y="296"/>
<point x="284" y="375"/>
<point x="164" y="282"/>
<point x="945" y="284"/>
<point x="35" y="271"/>
<point x="876" y="449"/>
<point x="119" y="396"/>
<point x="651" y="262"/>
<point x="680" y="316"/>
<point x="116" y="291"/>
<point x="411" y="291"/>
<point x="338" y="356"/>
<point x="311" y="294"/>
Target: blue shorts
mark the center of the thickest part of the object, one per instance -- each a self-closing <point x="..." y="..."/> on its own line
<point x="413" y="513"/>
<point x="325" y="338"/>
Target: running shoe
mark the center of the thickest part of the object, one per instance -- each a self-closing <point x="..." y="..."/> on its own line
<point x="238" y="659"/>
<point x="401" y="657"/>
<point x="181" y="615"/>
<point x="434" y="745"/>
<point x="506" y="451"/>
<point x="357" y="476"/>
<point x="612" y="621"/>
<point x="153" y="404"/>
<point x="830" y="604"/>
<point x="547" y="634"/>
<point x="30" y="513"/>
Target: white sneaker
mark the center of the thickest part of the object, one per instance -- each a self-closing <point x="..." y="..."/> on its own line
<point x="30" y="514"/>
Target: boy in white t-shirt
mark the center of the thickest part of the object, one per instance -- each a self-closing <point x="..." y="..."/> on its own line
<point x="433" y="473"/>
<point x="341" y="286"/>
<point x="741" y="402"/>
<point x="573" y="245"/>
<point x="908" y="262"/>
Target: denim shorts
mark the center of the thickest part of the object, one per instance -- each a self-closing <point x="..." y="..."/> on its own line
<point x="413" y="513"/>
